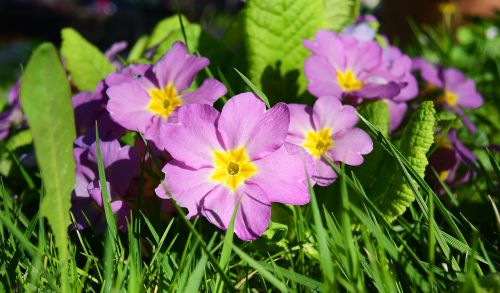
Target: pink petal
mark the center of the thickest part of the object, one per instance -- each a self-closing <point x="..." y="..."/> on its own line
<point x="244" y="122"/>
<point x="329" y="112"/>
<point x="324" y="175"/>
<point x="193" y="139"/>
<point x="349" y="146"/>
<point x="127" y="106"/>
<point x="282" y="175"/>
<point x="300" y="123"/>
<point x="328" y="45"/>
<point x="178" y="67"/>
<point x="209" y="92"/>
<point x="188" y="187"/>
<point x="397" y="113"/>
<point x="322" y="77"/>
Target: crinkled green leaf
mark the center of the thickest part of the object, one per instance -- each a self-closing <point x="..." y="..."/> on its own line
<point x="339" y="13"/>
<point x="418" y="136"/>
<point x="274" y="32"/>
<point x="85" y="63"/>
<point x="169" y="30"/>
<point x="46" y="101"/>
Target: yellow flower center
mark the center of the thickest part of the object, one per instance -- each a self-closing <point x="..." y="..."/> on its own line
<point x="443" y="175"/>
<point x="317" y="143"/>
<point x="232" y="167"/>
<point x="348" y="81"/>
<point x="164" y="101"/>
<point x="449" y="98"/>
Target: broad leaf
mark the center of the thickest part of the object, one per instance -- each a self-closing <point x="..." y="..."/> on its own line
<point x="85" y="63"/>
<point x="46" y="101"/>
<point x="339" y="13"/>
<point x="274" y="31"/>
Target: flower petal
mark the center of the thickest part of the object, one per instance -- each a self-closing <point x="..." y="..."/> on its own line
<point x="178" y="67"/>
<point x="324" y="175"/>
<point x="187" y="186"/>
<point x="300" y="123"/>
<point x="329" y="112"/>
<point x="207" y="93"/>
<point x="282" y="175"/>
<point x="193" y="138"/>
<point x="349" y="146"/>
<point x="245" y="122"/>
<point x="322" y="77"/>
<point x="127" y="106"/>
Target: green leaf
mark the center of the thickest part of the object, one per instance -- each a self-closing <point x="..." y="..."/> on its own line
<point x="418" y="136"/>
<point x="169" y="30"/>
<point x="138" y="49"/>
<point x="45" y="91"/>
<point x="20" y="139"/>
<point x="274" y="32"/>
<point x="86" y="64"/>
<point x="339" y="13"/>
<point x="255" y="90"/>
<point x="276" y="232"/>
<point x="377" y="112"/>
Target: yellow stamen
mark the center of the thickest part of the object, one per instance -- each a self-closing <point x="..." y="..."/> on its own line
<point x="449" y="98"/>
<point x="443" y="175"/>
<point x="232" y="167"/>
<point x="164" y="101"/>
<point x="348" y="81"/>
<point x="317" y="143"/>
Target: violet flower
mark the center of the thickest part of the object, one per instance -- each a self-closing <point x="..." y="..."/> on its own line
<point x="120" y="164"/>
<point x="151" y="99"/>
<point x="12" y="115"/>
<point x="237" y="155"/>
<point x="453" y="161"/>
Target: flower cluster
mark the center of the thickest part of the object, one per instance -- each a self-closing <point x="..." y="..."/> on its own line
<point x="355" y="67"/>
<point x="243" y="158"/>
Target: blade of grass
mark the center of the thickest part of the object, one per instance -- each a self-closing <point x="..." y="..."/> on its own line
<point x="252" y="86"/>
<point x="260" y="269"/>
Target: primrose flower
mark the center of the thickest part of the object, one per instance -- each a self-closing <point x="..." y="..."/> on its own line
<point x="237" y="155"/>
<point x="13" y="114"/>
<point x="120" y="164"/>
<point x="328" y="129"/>
<point x="344" y="66"/>
<point x="458" y="92"/>
<point x="152" y="98"/>
<point x="395" y="67"/>
<point x="453" y="161"/>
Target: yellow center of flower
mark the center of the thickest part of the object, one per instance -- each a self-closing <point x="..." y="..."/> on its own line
<point x="449" y="98"/>
<point x="164" y="101"/>
<point x="443" y="175"/>
<point x="317" y="143"/>
<point x="348" y="81"/>
<point x="232" y="167"/>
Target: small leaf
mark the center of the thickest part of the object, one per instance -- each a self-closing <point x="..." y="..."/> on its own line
<point x="86" y="64"/>
<point x="137" y="51"/>
<point x="46" y="101"/>
<point x="169" y="30"/>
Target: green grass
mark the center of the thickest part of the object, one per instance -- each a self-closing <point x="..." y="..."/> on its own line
<point x="349" y="247"/>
